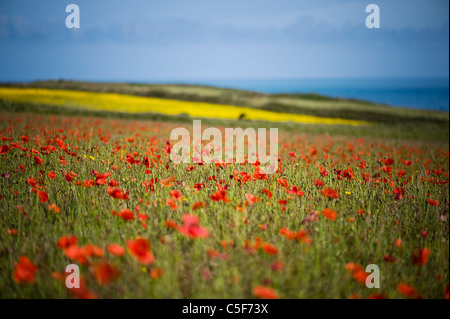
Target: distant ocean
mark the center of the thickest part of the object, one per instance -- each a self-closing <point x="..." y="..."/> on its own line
<point x="420" y="93"/>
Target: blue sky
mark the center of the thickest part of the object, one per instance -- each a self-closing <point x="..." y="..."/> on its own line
<point x="234" y="39"/>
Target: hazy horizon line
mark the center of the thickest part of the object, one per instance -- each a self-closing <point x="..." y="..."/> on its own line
<point x="173" y="81"/>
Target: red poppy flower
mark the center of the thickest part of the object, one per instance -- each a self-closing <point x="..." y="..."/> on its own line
<point x="105" y="273"/>
<point x="283" y="203"/>
<point x="267" y="192"/>
<point x="88" y="183"/>
<point x="264" y="292"/>
<point x="38" y="161"/>
<point x="420" y="256"/>
<point x="330" y="193"/>
<point x="407" y="290"/>
<point x="220" y="195"/>
<point x="73" y="174"/>
<point x="348" y="173"/>
<point x="60" y="143"/>
<point x="270" y="249"/>
<point x="82" y="254"/>
<point x="24" y="271"/>
<point x="323" y="173"/>
<point x="4" y="149"/>
<point x="198" y="205"/>
<point x="93" y="250"/>
<point x="156" y="273"/>
<point x="126" y="214"/>
<point x="140" y="249"/>
<point x="283" y="182"/>
<point x="76" y="253"/>
<point x="67" y="241"/>
<point x="399" y="193"/>
<point x="288" y="234"/>
<point x="170" y="202"/>
<point x="171" y="224"/>
<point x="176" y="194"/>
<point x="68" y="177"/>
<point x="295" y="190"/>
<point x="329" y="214"/>
<point x="54" y="208"/>
<point x="353" y="267"/>
<point x="377" y="296"/>
<point x="83" y="292"/>
<point x="191" y="227"/>
<point x="25" y="138"/>
<point x="32" y="181"/>
<point x="318" y="183"/>
<point x="142" y="217"/>
<point x="277" y="266"/>
<point x="116" y="250"/>
<point x="117" y="193"/>
<point x="113" y="183"/>
<point x="357" y="272"/>
<point x="43" y="197"/>
<point x="252" y="199"/>
<point x="303" y="237"/>
<point x="12" y="232"/>
<point x="101" y="179"/>
<point x="390" y="258"/>
<point x="433" y="202"/>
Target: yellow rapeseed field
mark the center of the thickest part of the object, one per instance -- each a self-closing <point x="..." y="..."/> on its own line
<point x="135" y="104"/>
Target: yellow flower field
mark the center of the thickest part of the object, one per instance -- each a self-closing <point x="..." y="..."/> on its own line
<point x="135" y="104"/>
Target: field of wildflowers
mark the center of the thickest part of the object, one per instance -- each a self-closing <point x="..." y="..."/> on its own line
<point x="102" y="193"/>
<point x="136" y="104"/>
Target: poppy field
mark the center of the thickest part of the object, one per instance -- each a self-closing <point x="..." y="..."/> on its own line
<point x="103" y="194"/>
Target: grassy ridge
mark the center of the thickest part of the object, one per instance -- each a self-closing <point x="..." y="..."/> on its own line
<point x="307" y="104"/>
<point x="135" y="104"/>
